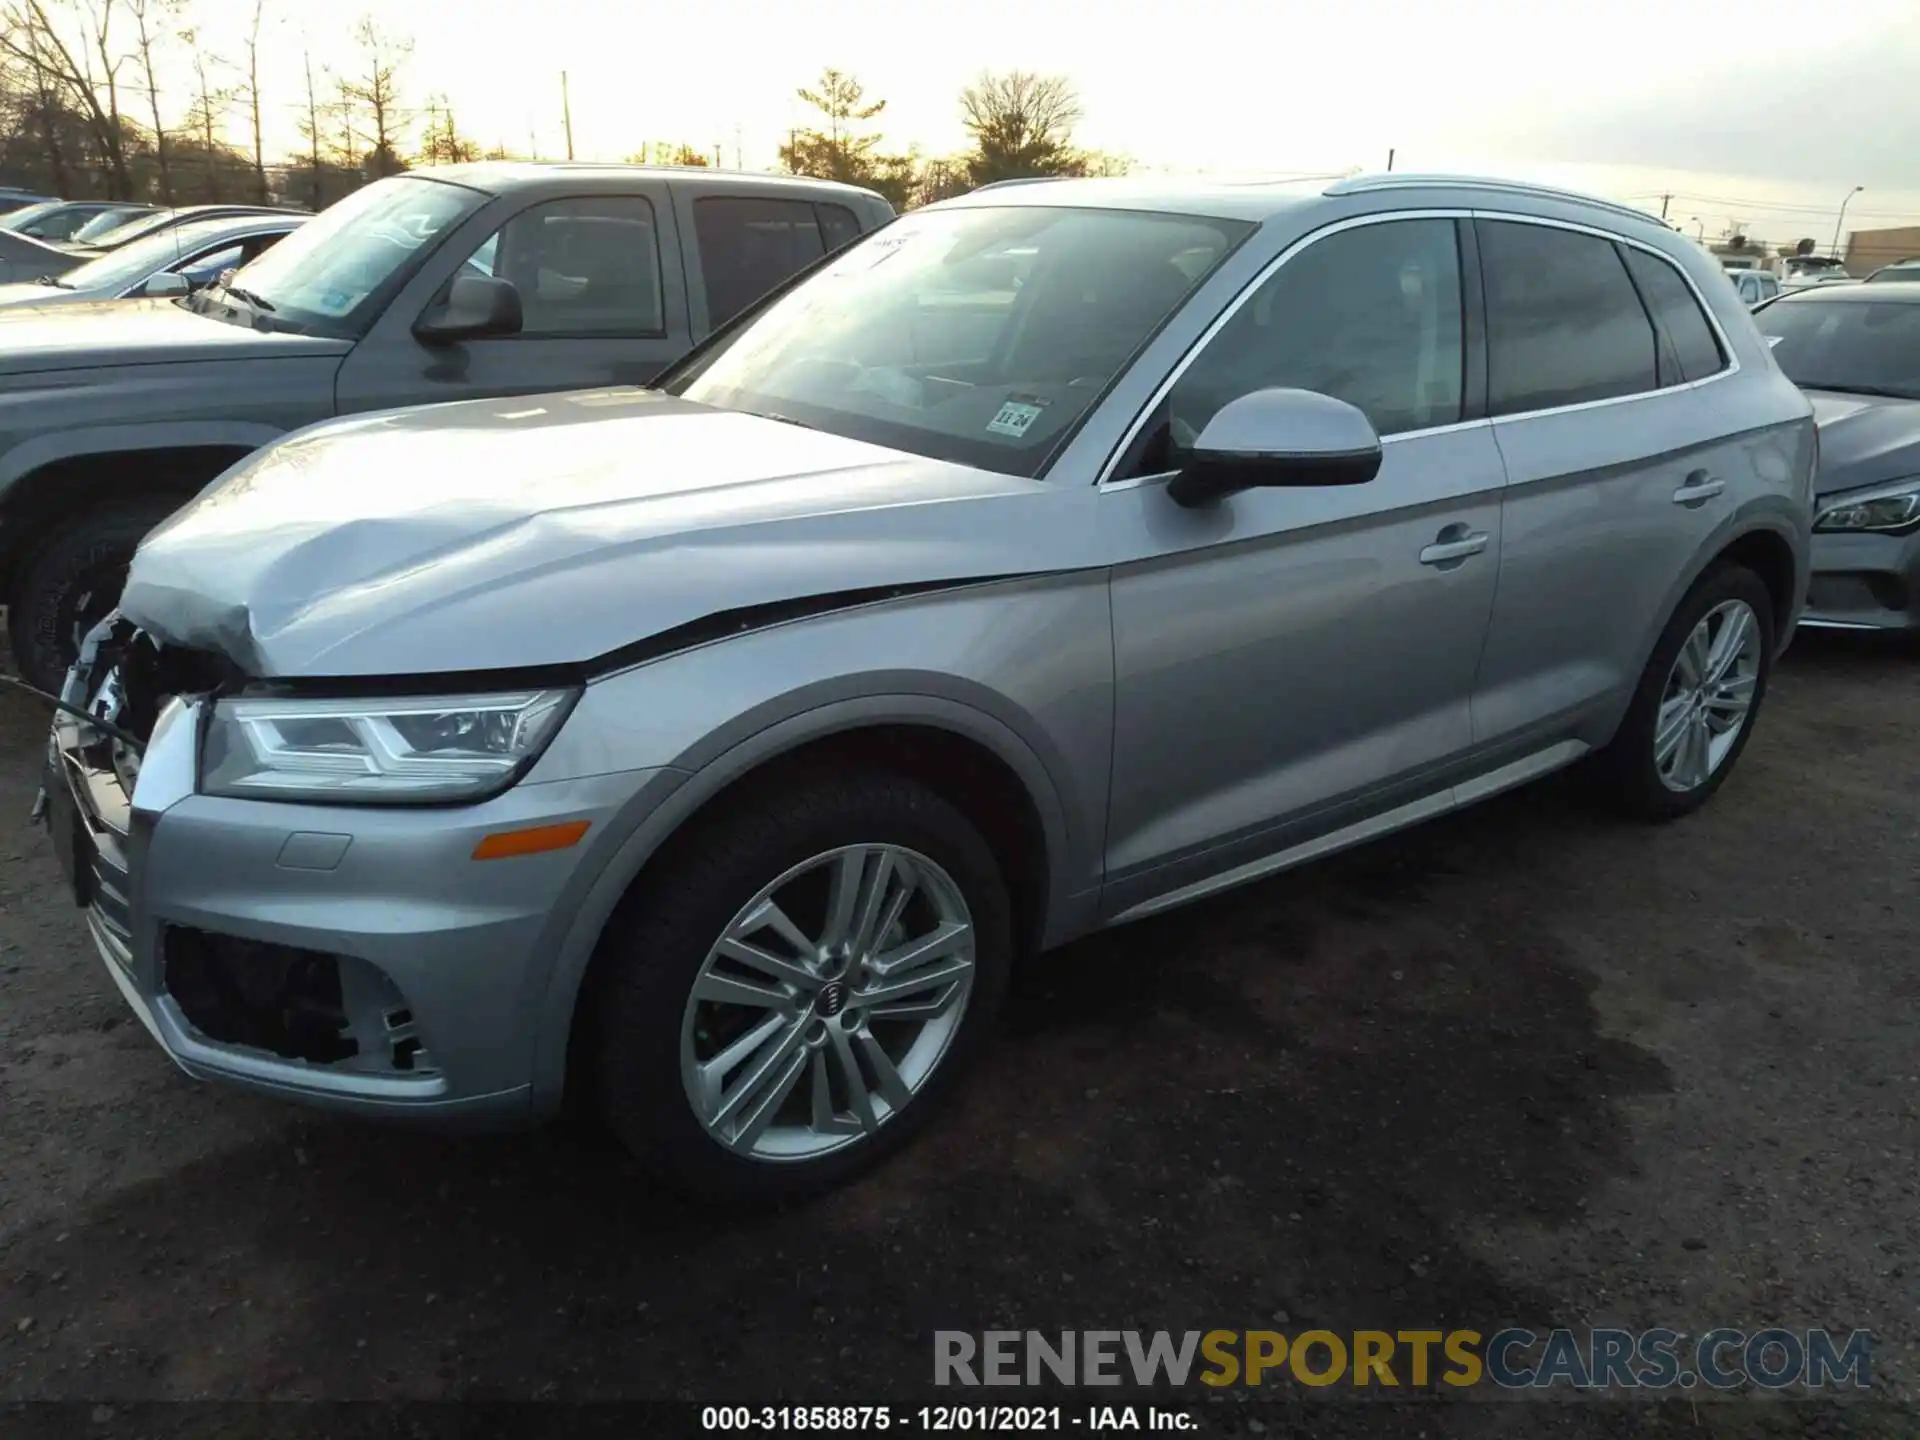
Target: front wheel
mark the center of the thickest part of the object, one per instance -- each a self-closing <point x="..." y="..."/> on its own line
<point x="1697" y="700"/>
<point x="800" y="986"/>
<point x="71" y="583"/>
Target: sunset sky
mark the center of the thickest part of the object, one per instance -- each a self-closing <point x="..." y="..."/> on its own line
<point x="1746" y="111"/>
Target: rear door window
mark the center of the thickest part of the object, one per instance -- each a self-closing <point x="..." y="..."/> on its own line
<point x="748" y="245"/>
<point x="1565" y="325"/>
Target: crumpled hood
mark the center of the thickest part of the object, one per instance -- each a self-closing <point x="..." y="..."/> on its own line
<point x="107" y="333"/>
<point x="1865" y="439"/>
<point x="555" y="530"/>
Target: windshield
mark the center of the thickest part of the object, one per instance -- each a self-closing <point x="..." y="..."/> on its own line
<point x="1871" y="348"/>
<point x="975" y="335"/>
<point x="135" y="262"/>
<point x="117" y="227"/>
<point x="1895" y="273"/>
<point x="332" y="274"/>
<point x="30" y="213"/>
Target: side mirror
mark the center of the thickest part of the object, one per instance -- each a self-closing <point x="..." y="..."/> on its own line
<point x="166" y="285"/>
<point x="476" y="306"/>
<point x="1275" y="438"/>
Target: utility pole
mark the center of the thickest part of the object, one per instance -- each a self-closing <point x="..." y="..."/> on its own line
<point x="566" y="112"/>
<point x="1841" y="219"/>
<point x="1389" y="160"/>
<point x="1664" y="199"/>
<point x="738" y="163"/>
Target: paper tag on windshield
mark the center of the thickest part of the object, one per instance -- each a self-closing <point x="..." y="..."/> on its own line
<point x="1016" y="417"/>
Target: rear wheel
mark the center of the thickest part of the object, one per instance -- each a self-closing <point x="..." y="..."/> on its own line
<point x="1697" y="700"/>
<point x="800" y="986"/>
<point x="72" y="582"/>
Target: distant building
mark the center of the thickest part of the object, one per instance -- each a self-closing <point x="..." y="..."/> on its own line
<point x="1868" y="250"/>
<point x="1739" y="253"/>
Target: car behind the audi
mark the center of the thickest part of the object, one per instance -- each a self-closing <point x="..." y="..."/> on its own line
<point x="1053" y="558"/>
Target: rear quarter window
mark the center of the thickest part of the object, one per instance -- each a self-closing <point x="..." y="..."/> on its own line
<point x="1694" y="348"/>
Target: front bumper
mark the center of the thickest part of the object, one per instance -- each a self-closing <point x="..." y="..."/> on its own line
<point x="1863" y="581"/>
<point x="432" y="963"/>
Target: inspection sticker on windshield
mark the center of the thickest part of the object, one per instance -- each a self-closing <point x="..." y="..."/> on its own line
<point x="1773" y="340"/>
<point x="1016" y="417"/>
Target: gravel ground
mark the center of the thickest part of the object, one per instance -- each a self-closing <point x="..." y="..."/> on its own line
<point x="1523" y="1065"/>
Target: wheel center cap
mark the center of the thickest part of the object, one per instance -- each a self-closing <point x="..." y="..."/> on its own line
<point x="833" y="998"/>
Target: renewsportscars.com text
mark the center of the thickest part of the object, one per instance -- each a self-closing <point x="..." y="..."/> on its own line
<point x="1513" y="1358"/>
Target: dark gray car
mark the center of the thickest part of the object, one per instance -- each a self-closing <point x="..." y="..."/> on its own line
<point x="449" y="284"/>
<point x="1856" y="351"/>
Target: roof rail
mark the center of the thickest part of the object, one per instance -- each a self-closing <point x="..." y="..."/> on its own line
<point x="1366" y="184"/>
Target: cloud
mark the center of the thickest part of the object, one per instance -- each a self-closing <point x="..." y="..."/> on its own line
<point x="1838" y="113"/>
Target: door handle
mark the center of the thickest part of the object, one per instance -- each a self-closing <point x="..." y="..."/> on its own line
<point x="1699" y="488"/>
<point x="1452" y="545"/>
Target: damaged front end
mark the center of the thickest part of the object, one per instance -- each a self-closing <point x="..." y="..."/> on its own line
<point x="292" y="1004"/>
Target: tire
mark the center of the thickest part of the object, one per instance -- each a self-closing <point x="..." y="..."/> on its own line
<point x="75" y="574"/>
<point x="648" y="1026"/>
<point x="1628" y="772"/>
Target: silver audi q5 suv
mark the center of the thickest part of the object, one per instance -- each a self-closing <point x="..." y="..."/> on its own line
<point x="1054" y="556"/>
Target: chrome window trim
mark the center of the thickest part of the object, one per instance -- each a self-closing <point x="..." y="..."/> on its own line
<point x="1266" y="272"/>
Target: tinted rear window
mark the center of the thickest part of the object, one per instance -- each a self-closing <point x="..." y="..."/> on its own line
<point x="1564" y="323"/>
<point x="749" y="245"/>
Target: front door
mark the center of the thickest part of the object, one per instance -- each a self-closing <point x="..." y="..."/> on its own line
<point x="1290" y="660"/>
<point x="600" y="289"/>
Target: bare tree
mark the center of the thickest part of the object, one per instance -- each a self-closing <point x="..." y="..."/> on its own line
<point x="65" y="69"/>
<point x="375" y="92"/>
<point x="208" y="104"/>
<point x="147" y="40"/>
<point x="445" y="145"/>
<point x="310" y="131"/>
<point x="1022" y="125"/>
<point x="261" y="193"/>
<point x="44" y="96"/>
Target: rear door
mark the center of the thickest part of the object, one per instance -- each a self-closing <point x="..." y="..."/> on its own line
<point x="602" y="298"/>
<point x="1611" y="487"/>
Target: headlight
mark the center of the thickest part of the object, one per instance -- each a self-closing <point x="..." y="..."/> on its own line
<point x="1891" y="507"/>
<point x="399" y="751"/>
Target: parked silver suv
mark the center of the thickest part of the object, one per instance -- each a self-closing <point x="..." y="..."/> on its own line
<point x="1053" y="557"/>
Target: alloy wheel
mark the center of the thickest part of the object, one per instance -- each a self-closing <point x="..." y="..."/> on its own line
<point x="1708" y="696"/>
<point x="827" y="1003"/>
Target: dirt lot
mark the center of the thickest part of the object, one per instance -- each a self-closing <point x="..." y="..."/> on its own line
<point x="1523" y="1065"/>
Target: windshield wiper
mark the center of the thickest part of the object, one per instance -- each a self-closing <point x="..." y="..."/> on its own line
<point x="53" y="280"/>
<point x="264" y="306"/>
<point x="1854" y="388"/>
